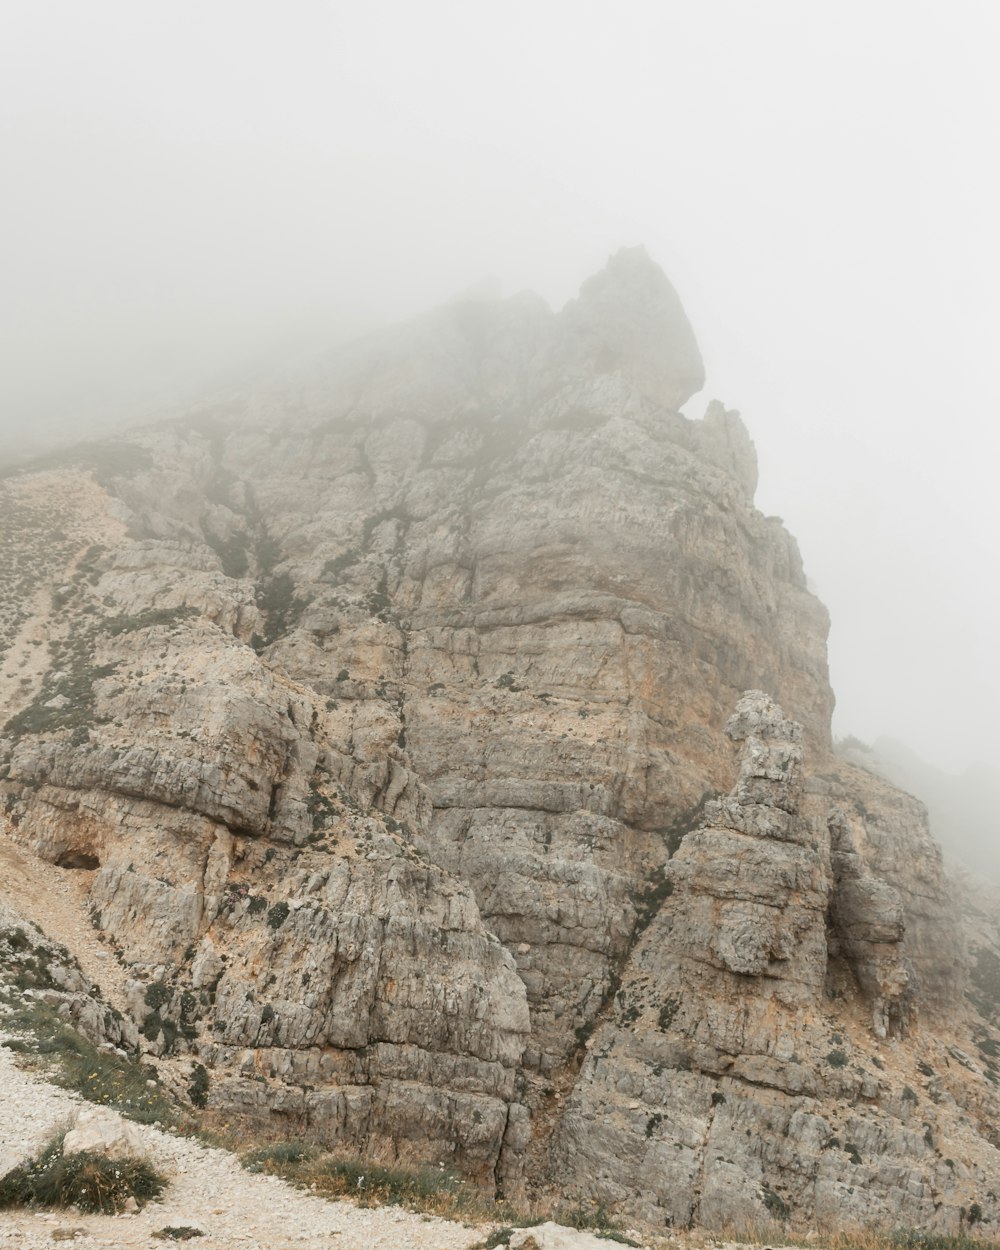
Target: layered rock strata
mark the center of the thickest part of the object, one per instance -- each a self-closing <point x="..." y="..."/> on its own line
<point x="379" y="701"/>
<point x="729" y="1084"/>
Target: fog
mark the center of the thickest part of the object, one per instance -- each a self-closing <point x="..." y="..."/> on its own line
<point x="193" y="193"/>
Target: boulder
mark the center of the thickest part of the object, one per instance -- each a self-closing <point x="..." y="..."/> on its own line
<point x="102" y="1131"/>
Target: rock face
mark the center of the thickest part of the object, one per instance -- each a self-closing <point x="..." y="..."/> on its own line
<point x="727" y="1085"/>
<point x="101" y="1131"/>
<point x="388" y="708"/>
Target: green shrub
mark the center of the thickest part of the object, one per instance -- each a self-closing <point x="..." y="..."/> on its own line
<point x="156" y="1024"/>
<point x="595" y="1217"/>
<point x="157" y="994"/>
<point x="648" y="903"/>
<point x="280" y="606"/>
<point x="115" y="625"/>
<point x="90" y="1182"/>
<point x="776" y="1206"/>
<point x="232" y="553"/>
<point x="668" y="1011"/>
<point x="198" y="1088"/>
<point x="76" y="686"/>
<point x="277" y="915"/>
<point x="333" y="568"/>
<point x="16" y="1189"/>
<point x="280" y="1155"/>
<point x="320" y="807"/>
<point x="499" y="1237"/>
<point x="16" y="939"/>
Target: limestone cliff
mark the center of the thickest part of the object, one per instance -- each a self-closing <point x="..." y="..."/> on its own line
<point x="756" y="1059"/>
<point x="387" y="710"/>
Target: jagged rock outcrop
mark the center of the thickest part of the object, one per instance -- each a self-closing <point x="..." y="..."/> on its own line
<point x="388" y="708"/>
<point x="33" y="968"/>
<point x="725" y="1086"/>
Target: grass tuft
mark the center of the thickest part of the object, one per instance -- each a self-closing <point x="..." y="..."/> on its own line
<point x="76" y="1063"/>
<point x="869" y="1239"/>
<point x="87" y="1181"/>
<point x="429" y="1190"/>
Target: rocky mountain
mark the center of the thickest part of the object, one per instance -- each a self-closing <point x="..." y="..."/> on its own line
<point x="962" y="807"/>
<point x="442" y="739"/>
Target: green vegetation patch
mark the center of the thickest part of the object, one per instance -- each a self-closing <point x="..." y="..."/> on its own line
<point x="920" y="1239"/>
<point x="67" y="698"/>
<point x="26" y="965"/>
<point x="72" y="694"/>
<point x="233" y="553"/>
<point x="281" y="608"/>
<point x="774" y="1204"/>
<point x="426" y="1189"/>
<point x="116" y="625"/>
<point x="277" y="915"/>
<point x="675" y="833"/>
<point x="199" y="1085"/>
<point x="77" y="1064"/>
<point x="371" y="1184"/>
<point x="667" y="1012"/>
<point x="596" y="1219"/>
<point x="87" y="1181"/>
<point x="174" y="1015"/>
<point x="321" y="808"/>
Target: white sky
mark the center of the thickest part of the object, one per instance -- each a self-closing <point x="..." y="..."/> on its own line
<point x="188" y="187"/>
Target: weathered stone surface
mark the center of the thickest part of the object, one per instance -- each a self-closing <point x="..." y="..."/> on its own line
<point x="551" y="1236"/>
<point x="101" y="1131"/>
<point x="629" y="322"/>
<point x="392" y="709"/>
<point x="882" y="847"/>
<point x="725" y="1086"/>
<point x="35" y="969"/>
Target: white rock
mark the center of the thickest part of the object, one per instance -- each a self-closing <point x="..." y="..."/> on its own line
<point x="104" y="1132"/>
<point x="555" y="1237"/>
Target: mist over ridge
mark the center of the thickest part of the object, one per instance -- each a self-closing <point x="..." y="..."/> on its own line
<point x="439" y="724"/>
<point x="184" y="212"/>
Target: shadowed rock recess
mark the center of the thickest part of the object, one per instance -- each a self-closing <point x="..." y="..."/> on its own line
<point x="407" y="719"/>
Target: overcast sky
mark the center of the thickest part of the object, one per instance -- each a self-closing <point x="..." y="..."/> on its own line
<point x="192" y="189"/>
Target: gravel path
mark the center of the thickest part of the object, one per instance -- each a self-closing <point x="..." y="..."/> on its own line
<point x="236" y="1210"/>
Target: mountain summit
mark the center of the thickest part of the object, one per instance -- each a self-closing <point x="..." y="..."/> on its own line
<point x="440" y="741"/>
<point x="629" y="320"/>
